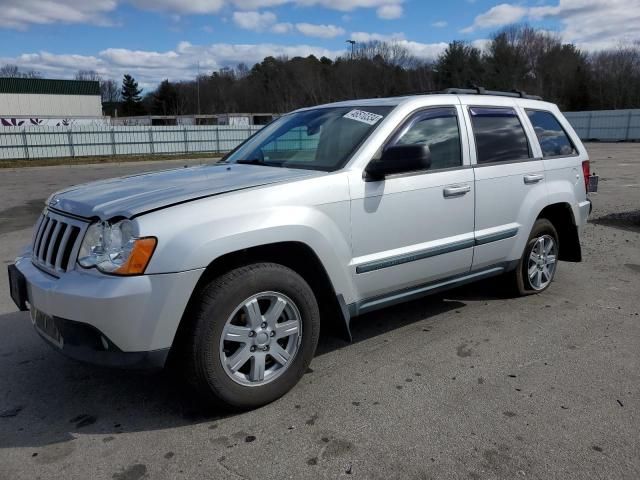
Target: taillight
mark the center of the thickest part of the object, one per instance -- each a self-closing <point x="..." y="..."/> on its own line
<point x="586" y="172"/>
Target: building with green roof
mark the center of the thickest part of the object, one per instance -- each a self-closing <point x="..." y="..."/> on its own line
<point x="39" y="101"/>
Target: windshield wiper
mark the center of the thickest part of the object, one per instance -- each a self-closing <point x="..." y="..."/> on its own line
<point x="254" y="161"/>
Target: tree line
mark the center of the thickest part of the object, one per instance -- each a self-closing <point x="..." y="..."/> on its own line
<point x="516" y="57"/>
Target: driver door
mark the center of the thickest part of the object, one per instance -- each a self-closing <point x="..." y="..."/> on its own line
<point x="416" y="228"/>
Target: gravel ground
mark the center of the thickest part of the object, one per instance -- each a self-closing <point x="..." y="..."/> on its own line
<point x="465" y="385"/>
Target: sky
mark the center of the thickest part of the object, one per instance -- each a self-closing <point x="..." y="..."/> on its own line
<point x="174" y="39"/>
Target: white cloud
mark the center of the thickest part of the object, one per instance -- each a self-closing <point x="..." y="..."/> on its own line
<point x="364" y="37"/>
<point x="256" y="4"/>
<point x="497" y="16"/>
<point x="590" y="24"/>
<point x="440" y="24"/>
<point x="424" y="51"/>
<point x="340" y="5"/>
<point x="481" y="43"/>
<point x="390" y="12"/>
<point x="19" y="14"/>
<point x="282" y="27"/>
<point x="255" y="21"/>
<point x="150" y="67"/>
<point x="594" y="24"/>
<point x="263" y="21"/>
<point x="321" y="31"/>
<point x="178" y="6"/>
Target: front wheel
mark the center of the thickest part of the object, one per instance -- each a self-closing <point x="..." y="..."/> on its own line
<point x="539" y="262"/>
<point x="254" y="334"/>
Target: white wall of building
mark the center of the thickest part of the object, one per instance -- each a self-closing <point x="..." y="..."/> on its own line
<point x="38" y="105"/>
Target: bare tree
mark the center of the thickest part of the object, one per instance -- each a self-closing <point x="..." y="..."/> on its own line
<point x="88" y="75"/>
<point x="10" y="71"/>
<point x="110" y="91"/>
<point x="13" y="71"/>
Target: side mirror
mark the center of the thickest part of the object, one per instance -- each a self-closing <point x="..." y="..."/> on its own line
<point x="399" y="159"/>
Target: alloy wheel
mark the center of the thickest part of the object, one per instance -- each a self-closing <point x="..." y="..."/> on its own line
<point x="260" y="339"/>
<point x="542" y="262"/>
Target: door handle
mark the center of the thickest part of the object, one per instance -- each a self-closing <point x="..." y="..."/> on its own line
<point x="533" y="178"/>
<point x="456" y="191"/>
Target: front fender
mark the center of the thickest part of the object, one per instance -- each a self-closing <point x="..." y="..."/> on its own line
<point x="185" y="244"/>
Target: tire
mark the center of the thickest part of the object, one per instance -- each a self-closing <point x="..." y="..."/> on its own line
<point x="520" y="281"/>
<point x="237" y="306"/>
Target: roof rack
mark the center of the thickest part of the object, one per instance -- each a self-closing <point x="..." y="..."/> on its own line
<point x="482" y="91"/>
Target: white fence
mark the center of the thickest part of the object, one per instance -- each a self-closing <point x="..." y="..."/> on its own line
<point x="56" y="142"/>
<point x="606" y="125"/>
<point x="87" y="141"/>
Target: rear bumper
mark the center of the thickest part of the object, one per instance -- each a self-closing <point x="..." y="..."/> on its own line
<point x="584" y="208"/>
<point x="113" y="321"/>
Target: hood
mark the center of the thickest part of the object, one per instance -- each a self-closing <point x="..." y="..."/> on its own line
<point x="136" y="194"/>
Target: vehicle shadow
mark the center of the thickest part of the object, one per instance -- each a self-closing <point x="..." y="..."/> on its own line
<point x="47" y="399"/>
<point x="380" y="322"/>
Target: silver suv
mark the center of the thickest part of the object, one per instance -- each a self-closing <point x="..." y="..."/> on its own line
<point x="231" y="269"/>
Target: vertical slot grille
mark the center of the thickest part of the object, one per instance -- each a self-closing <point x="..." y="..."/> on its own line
<point x="56" y="242"/>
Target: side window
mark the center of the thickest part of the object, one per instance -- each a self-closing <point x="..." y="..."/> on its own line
<point x="499" y="135"/>
<point x="554" y="141"/>
<point x="437" y="128"/>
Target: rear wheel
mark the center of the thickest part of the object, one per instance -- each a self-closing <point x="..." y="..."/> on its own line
<point x="539" y="262"/>
<point x="253" y="335"/>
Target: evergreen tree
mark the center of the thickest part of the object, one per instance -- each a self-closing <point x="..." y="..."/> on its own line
<point x="131" y="99"/>
<point x="165" y="99"/>
<point x="460" y="65"/>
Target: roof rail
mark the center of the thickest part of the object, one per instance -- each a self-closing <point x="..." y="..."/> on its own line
<point x="481" y="91"/>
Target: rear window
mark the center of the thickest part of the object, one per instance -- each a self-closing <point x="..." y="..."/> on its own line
<point x="554" y="141"/>
<point x="499" y="135"/>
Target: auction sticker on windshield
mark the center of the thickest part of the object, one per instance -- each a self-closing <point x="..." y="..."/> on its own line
<point x="364" y="117"/>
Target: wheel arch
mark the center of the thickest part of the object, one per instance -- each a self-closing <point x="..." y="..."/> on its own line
<point x="562" y="217"/>
<point x="297" y="256"/>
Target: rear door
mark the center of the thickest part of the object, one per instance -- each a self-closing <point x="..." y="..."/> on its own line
<point x="509" y="179"/>
<point x="560" y="154"/>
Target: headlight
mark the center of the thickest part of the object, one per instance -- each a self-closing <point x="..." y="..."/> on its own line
<point x="114" y="248"/>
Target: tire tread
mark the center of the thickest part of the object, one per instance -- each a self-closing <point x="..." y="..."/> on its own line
<point x="197" y="354"/>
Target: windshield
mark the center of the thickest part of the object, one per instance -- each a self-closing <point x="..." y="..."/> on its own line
<point x="319" y="139"/>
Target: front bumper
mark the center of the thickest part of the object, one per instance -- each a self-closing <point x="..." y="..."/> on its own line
<point x="85" y="343"/>
<point x="107" y="320"/>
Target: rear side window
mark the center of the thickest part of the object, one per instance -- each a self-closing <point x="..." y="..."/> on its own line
<point x="499" y="135"/>
<point x="554" y="141"/>
<point x="438" y="129"/>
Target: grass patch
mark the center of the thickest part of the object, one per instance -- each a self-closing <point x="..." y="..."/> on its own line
<point x="46" y="162"/>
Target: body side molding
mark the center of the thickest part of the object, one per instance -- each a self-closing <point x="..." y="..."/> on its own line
<point x="434" y="251"/>
<point x="400" y="296"/>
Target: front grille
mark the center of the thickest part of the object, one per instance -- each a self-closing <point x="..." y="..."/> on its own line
<point x="56" y="242"/>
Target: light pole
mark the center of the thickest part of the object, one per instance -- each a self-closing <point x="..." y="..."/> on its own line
<point x="351" y="66"/>
<point x="198" y="88"/>
<point x="353" y="48"/>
